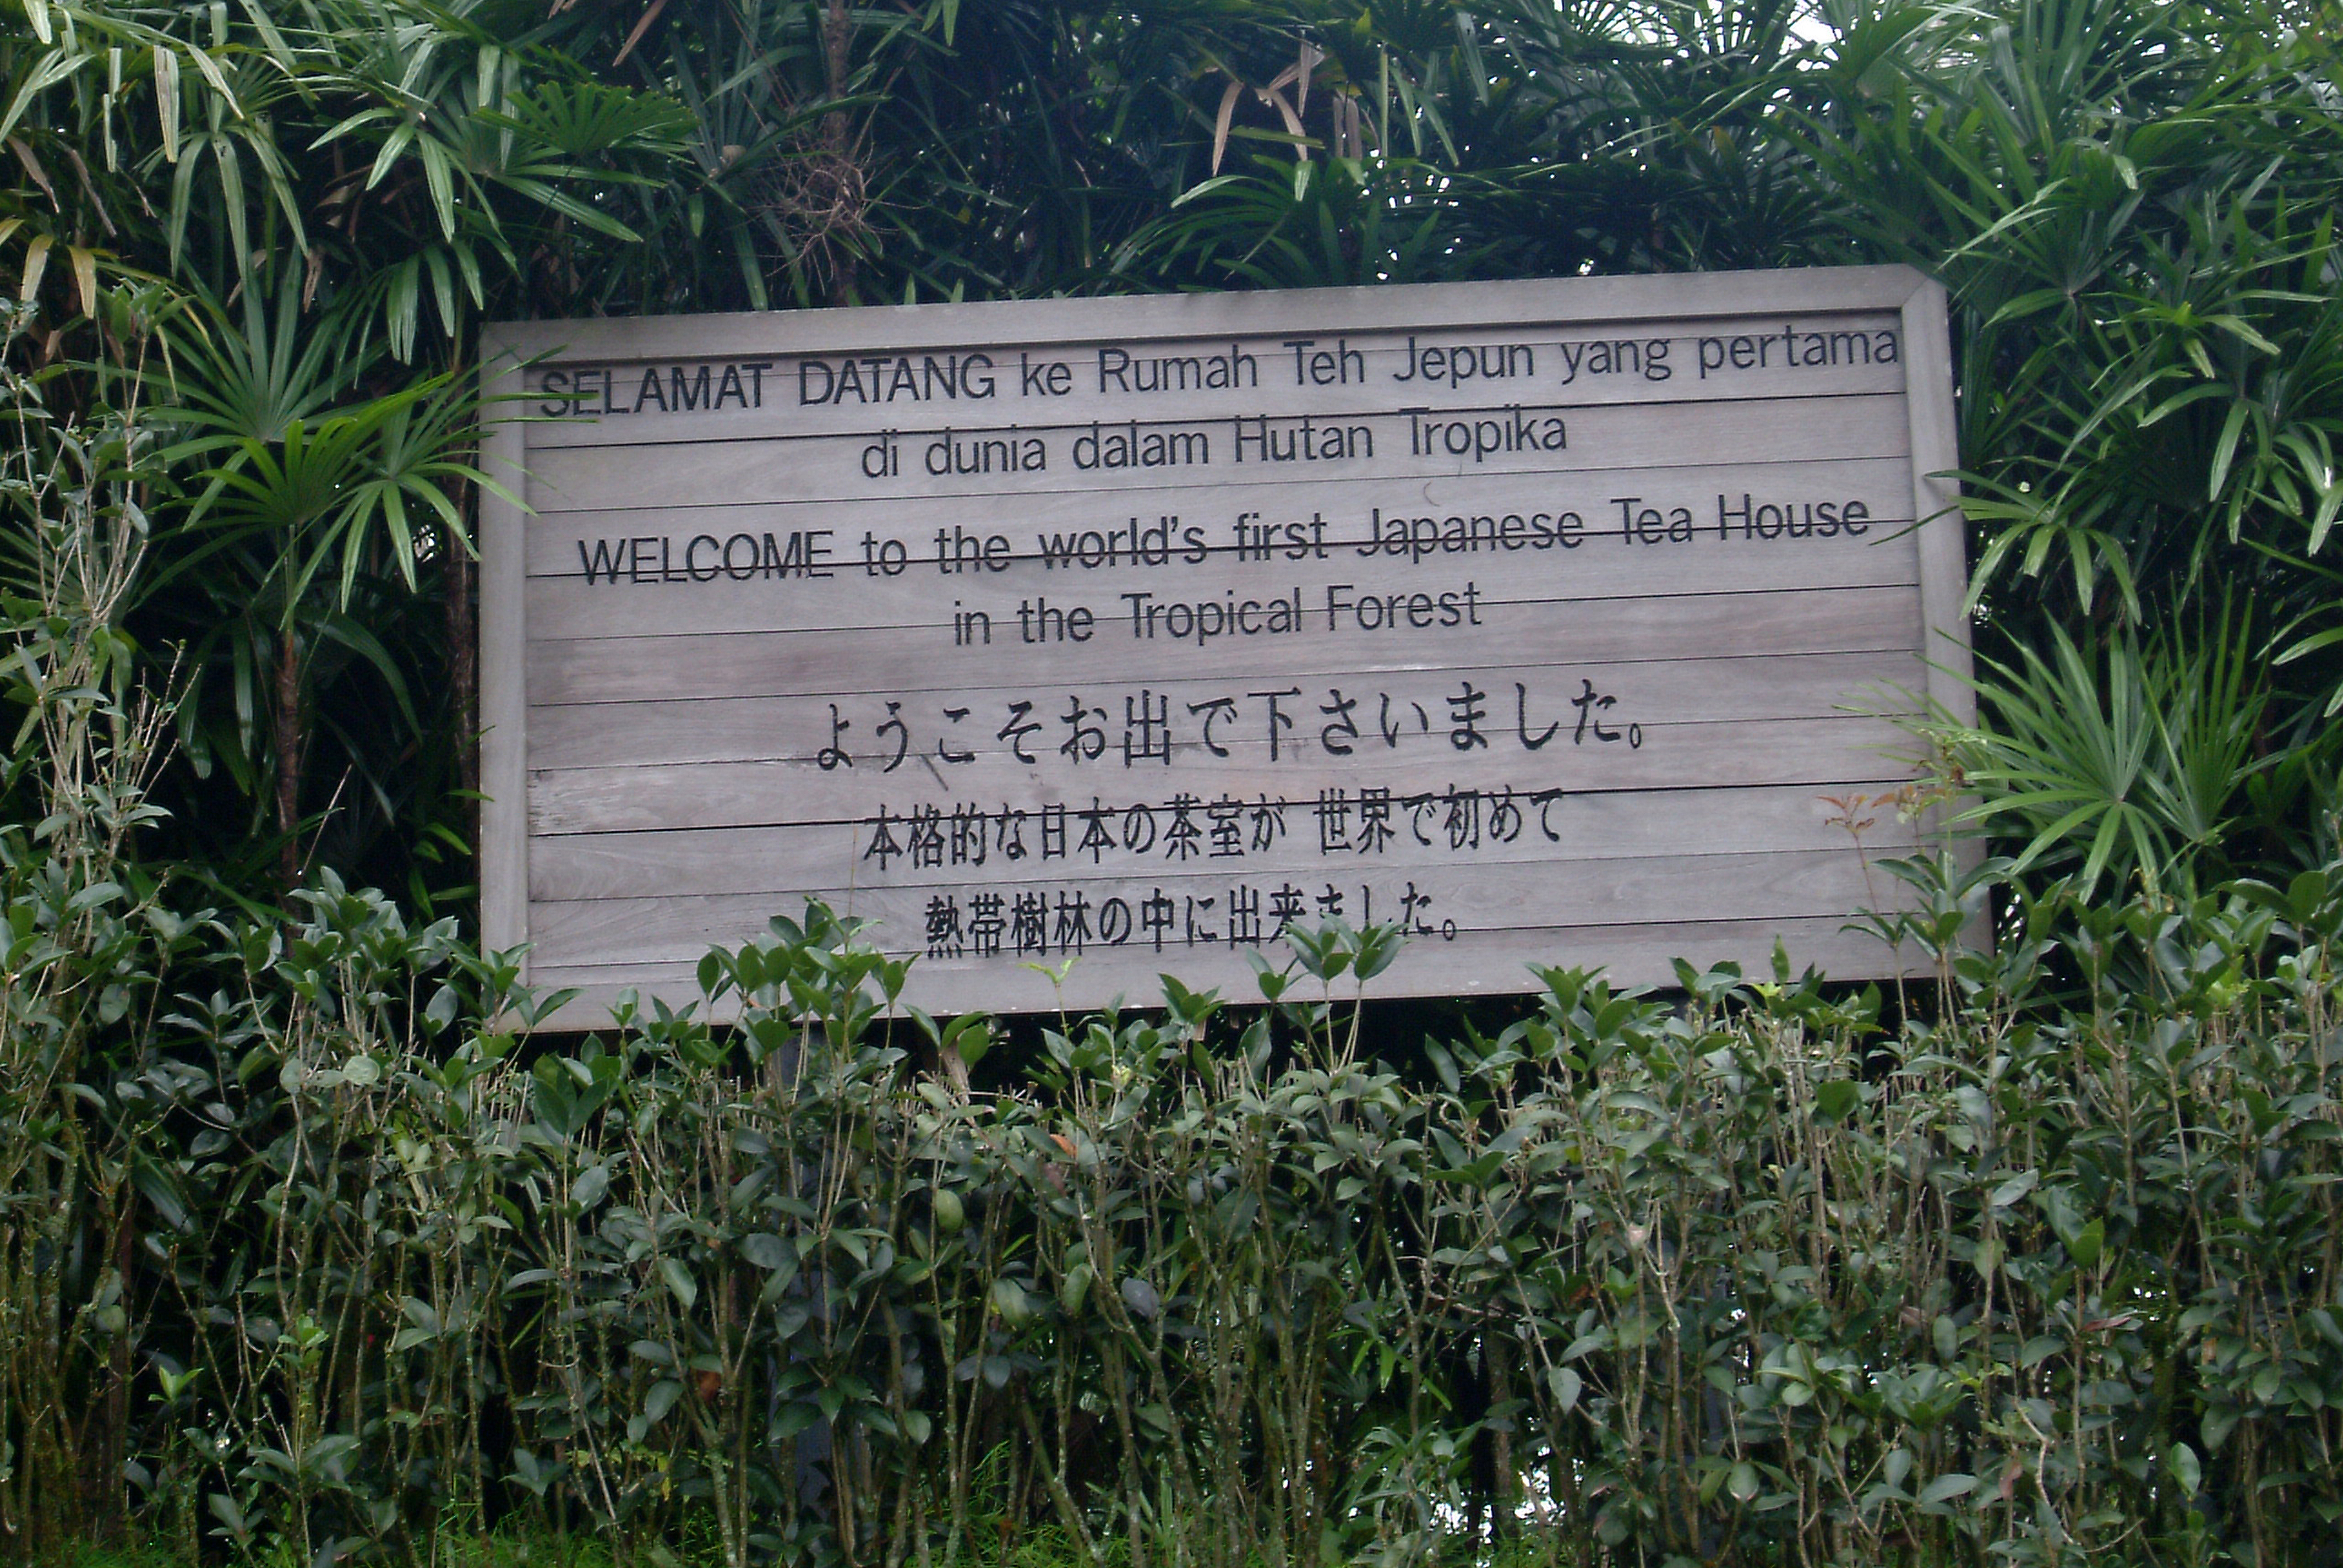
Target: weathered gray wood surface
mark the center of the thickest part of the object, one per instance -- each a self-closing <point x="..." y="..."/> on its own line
<point x="1605" y="445"/>
<point x="1780" y="885"/>
<point x="1623" y="825"/>
<point x="1344" y="501"/>
<point x="1554" y="380"/>
<point x="622" y="729"/>
<point x="1476" y="963"/>
<point x="1660" y="570"/>
<point x="1822" y="753"/>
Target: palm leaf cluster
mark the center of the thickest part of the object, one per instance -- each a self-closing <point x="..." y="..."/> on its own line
<point x="302" y="1254"/>
<point x="275" y="228"/>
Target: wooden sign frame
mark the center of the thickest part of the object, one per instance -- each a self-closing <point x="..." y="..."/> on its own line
<point x="612" y="859"/>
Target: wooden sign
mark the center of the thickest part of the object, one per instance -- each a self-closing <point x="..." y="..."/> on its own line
<point x="1079" y="641"/>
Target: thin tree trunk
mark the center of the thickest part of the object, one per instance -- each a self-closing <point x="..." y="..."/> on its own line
<point x="837" y="32"/>
<point x="289" y="757"/>
<point x="105" y="1509"/>
<point x="464" y="668"/>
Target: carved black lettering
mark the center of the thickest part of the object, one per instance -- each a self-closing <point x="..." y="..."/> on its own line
<point x="605" y="562"/>
<point x="688" y="393"/>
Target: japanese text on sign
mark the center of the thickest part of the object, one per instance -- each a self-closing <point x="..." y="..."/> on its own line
<point x="1545" y="619"/>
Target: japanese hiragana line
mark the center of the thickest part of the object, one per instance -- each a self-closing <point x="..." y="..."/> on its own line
<point x="1151" y="727"/>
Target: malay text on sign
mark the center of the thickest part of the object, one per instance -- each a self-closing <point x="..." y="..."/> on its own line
<point x="1078" y="641"/>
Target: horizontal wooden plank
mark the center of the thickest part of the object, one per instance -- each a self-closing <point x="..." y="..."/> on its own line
<point x="840" y="556"/>
<point x="1024" y="611"/>
<point x="1674" y="299"/>
<point x="1295" y="838"/>
<point x="1696" y="626"/>
<point x="754" y="728"/>
<point x="1600" y="440"/>
<point x="1788" y="885"/>
<point x="1475" y="964"/>
<point x="1817" y="752"/>
<point x="737" y="395"/>
<point x="1336" y="517"/>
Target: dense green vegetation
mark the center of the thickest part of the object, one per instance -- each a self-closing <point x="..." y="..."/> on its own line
<point x="297" y="1256"/>
<point x="267" y="234"/>
<point x="1748" y="1278"/>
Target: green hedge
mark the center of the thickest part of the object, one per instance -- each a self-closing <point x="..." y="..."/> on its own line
<point x="1726" y="1275"/>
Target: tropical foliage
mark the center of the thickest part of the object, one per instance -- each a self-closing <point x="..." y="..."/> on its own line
<point x="291" y="219"/>
<point x="297" y="1253"/>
